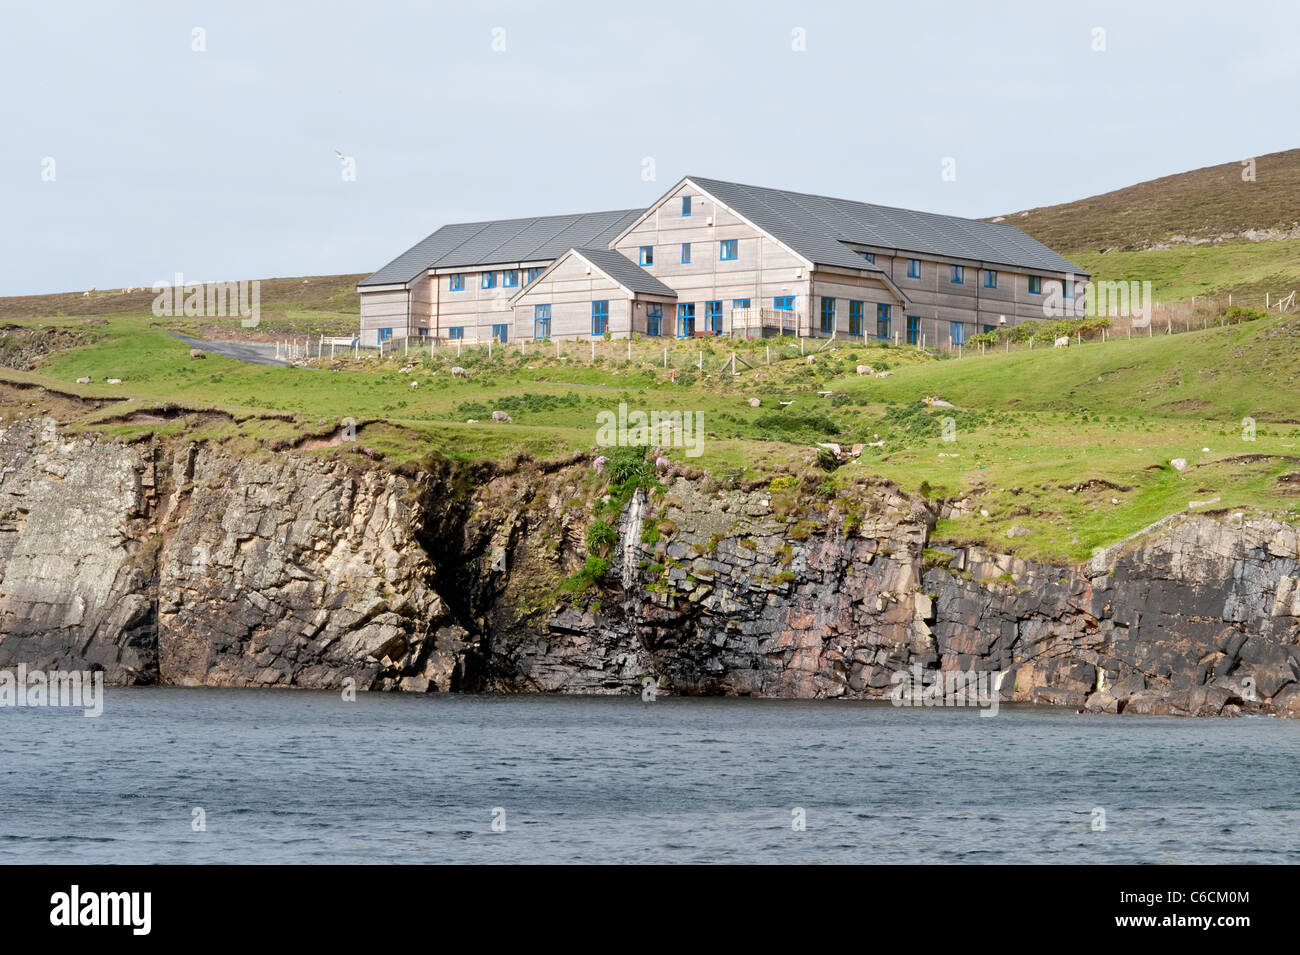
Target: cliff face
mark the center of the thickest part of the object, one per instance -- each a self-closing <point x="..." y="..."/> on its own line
<point x="181" y="565"/>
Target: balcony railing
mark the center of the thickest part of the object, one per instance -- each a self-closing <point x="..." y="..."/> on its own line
<point x="785" y="321"/>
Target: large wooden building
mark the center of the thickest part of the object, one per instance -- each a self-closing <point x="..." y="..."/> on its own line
<point x="715" y="257"/>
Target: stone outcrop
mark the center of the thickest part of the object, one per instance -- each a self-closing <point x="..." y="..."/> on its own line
<point x="175" y="563"/>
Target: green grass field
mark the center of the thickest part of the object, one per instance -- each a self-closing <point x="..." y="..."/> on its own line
<point x="1070" y="447"/>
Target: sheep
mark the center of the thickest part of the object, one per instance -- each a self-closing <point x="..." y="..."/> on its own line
<point x="501" y="416"/>
<point x="459" y="372"/>
<point x="83" y="381"/>
<point x="114" y="381"/>
<point x="1062" y="342"/>
<point x="198" y="353"/>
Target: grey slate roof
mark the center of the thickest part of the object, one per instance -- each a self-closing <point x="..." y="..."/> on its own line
<point x="814" y="226"/>
<point x="499" y="242"/>
<point x="625" y="272"/>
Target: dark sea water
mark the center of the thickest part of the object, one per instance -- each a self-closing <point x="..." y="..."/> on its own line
<point x="293" y="776"/>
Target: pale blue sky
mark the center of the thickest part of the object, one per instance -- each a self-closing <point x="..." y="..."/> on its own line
<point x="222" y="165"/>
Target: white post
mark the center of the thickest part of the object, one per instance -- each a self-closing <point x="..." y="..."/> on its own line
<point x="406" y="345"/>
<point x="629" y="347"/>
<point x="768" y="349"/>
<point x="458" y="341"/>
<point x="331" y="351"/>
<point x="490" y="345"/>
<point x="593" y="349"/>
<point x="700" y="361"/>
<point x="665" y="357"/>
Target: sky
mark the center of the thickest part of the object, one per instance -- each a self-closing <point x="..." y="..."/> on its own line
<point x="141" y="140"/>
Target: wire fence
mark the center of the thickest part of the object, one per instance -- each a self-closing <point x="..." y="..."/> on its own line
<point x="737" y="355"/>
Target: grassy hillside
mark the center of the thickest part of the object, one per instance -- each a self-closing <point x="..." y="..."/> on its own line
<point x="320" y="304"/>
<point x="1213" y="203"/>
<point x="1062" y="450"/>
<point x="1204" y="233"/>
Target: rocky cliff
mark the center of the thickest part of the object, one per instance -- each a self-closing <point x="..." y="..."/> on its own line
<point x="167" y="562"/>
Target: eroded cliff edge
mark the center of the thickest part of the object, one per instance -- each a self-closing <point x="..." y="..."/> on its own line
<point x="176" y="563"/>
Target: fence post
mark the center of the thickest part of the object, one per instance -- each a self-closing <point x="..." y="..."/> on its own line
<point x="768" y="349"/>
<point x="665" y="357"/>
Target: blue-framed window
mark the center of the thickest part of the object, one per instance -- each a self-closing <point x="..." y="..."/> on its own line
<point x="958" y="275"/>
<point x="541" y="321"/>
<point x="647" y="256"/>
<point x="456" y="281"/>
<point x="385" y="334"/>
<point x="685" y="319"/>
<point x="828" y="313"/>
<point x="457" y="332"/>
<point x="884" y="319"/>
<point x="913" y="330"/>
<point x="510" y="278"/>
<point x="739" y="303"/>
<point x="988" y="328"/>
<point x="958" y="332"/>
<point x="654" y="319"/>
<point x="713" y="314"/>
<point x="422" y="332"/>
<point x="532" y="273"/>
<point x="1067" y="288"/>
<point x="870" y="257"/>
<point x="501" y="333"/>
<point x="783" y="303"/>
<point x="727" y="249"/>
<point x="686" y="205"/>
<point x="686" y="253"/>
<point x="990" y="278"/>
<point x="488" y="280"/>
<point x="1035" y="285"/>
<point x="913" y="268"/>
<point x="855" y="317"/>
<point x="600" y="317"/>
